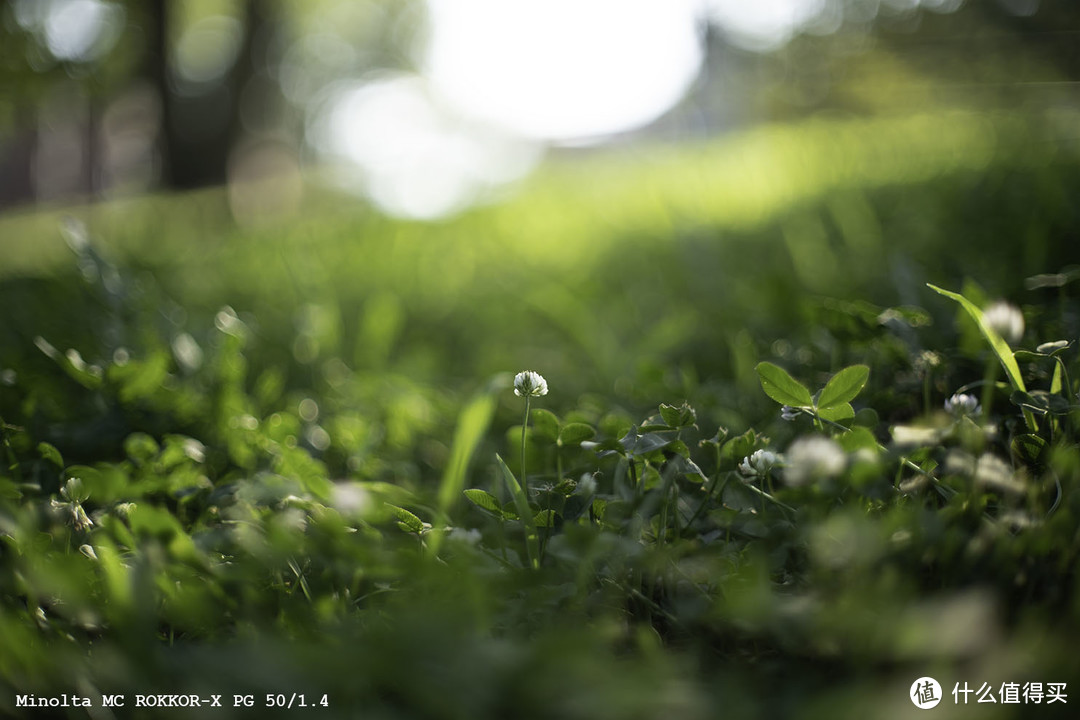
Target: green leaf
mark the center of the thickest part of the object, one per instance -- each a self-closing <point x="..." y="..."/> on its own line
<point x="1029" y="449"/>
<point x="532" y="538"/>
<point x="599" y="508"/>
<point x="9" y="490"/>
<point x="858" y="438"/>
<point x="1027" y="356"/>
<point x="837" y="413"/>
<point x="679" y="448"/>
<point x="148" y="520"/>
<point x="575" y="433"/>
<point x="74" y="491"/>
<point x="141" y="378"/>
<point x="843" y="386"/>
<point x="544" y="519"/>
<point x="1053" y="280"/>
<point x="50" y="453"/>
<point x="638" y="445"/>
<point x="1056" y="382"/>
<point x="867" y="417"/>
<point x="545" y="424"/>
<point x="406" y="520"/>
<point x="677" y="417"/>
<point x="716" y="440"/>
<point x="1058" y="405"/>
<point x="1040" y="402"/>
<point x="997" y="343"/>
<point x="781" y="387"/>
<point x="734" y="450"/>
<point x="484" y="500"/>
<point x="670" y="413"/>
<point x="141" y="448"/>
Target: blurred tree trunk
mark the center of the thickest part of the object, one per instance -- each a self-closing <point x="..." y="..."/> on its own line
<point x="17" y="159"/>
<point x="199" y="127"/>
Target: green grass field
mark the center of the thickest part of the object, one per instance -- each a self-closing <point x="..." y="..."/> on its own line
<point x="287" y="460"/>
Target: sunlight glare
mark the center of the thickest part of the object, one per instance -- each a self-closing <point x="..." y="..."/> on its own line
<point x="410" y="156"/>
<point x="563" y="70"/>
<point x="82" y="30"/>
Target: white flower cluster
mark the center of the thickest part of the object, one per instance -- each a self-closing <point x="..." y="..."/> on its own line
<point x="813" y="458"/>
<point x="530" y="384"/>
<point x="74" y="494"/>
<point x="1006" y="320"/>
<point x="987" y="470"/>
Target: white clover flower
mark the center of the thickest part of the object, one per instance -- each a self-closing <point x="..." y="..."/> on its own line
<point x="813" y="458"/>
<point x="530" y="384"/>
<point x="996" y="474"/>
<point x="470" y="536"/>
<point x="962" y="404"/>
<point x="1006" y="320"/>
<point x="351" y="499"/>
<point x="587" y="484"/>
<point x="926" y="361"/>
<point x="758" y="464"/>
<point x="73" y="512"/>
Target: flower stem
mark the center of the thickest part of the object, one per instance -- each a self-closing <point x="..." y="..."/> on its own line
<point x="989" y="378"/>
<point x="524" y="427"/>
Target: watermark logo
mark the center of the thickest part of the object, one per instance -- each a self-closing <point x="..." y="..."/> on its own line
<point x="925" y="693"/>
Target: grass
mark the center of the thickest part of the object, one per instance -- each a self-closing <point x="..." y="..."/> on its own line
<point x="295" y="446"/>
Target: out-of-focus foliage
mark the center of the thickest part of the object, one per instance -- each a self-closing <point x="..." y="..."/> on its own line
<point x="225" y="465"/>
<point x="111" y="98"/>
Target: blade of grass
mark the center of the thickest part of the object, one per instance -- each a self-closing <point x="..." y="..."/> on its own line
<point x="472" y="424"/>
<point x="532" y="538"/>
<point x="997" y="343"/>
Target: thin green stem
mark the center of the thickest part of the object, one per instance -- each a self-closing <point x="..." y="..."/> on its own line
<point x="708" y="496"/>
<point x="524" y="427"/>
<point x="989" y="379"/>
<point x="926" y="391"/>
<point x="558" y="481"/>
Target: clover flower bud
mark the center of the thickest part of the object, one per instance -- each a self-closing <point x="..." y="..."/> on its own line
<point x="962" y="404"/>
<point x="1006" y="320"/>
<point x="758" y="464"/>
<point x="530" y="384"/>
<point x="789" y="413"/>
